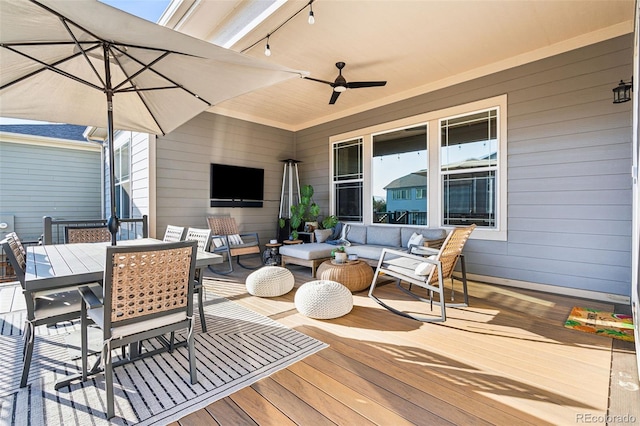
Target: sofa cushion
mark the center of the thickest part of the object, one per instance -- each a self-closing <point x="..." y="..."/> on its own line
<point x="388" y="236"/>
<point x="309" y="251"/>
<point x="357" y="234"/>
<point x="365" y="251"/>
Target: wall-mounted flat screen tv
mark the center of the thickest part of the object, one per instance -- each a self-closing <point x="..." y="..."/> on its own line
<point x="236" y="186"/>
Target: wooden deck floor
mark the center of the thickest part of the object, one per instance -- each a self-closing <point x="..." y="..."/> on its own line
<point x="505" y="360"/>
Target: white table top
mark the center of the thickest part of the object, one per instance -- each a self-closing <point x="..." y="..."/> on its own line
<point x="63" y="265"/>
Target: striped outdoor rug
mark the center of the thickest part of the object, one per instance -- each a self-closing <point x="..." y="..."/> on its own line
<point x="240" y="347"/>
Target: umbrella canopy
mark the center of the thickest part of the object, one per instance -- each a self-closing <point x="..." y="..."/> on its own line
<point x="53" y="68"/>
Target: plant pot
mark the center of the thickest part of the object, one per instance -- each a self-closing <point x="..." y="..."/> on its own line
<point x="341" y="257"/>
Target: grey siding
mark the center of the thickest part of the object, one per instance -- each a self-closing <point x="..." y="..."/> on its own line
<point x="569" y="160"/>
<point x="37" y="181"/>
<point x="183" y="160"/>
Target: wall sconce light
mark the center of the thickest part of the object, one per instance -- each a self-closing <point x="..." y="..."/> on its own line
<point x="622" y="92"/>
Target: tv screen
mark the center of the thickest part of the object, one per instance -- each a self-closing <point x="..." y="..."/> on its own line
<point x="236" y="183"/>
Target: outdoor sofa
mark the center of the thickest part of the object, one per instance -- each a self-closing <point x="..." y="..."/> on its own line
<point x="365" y="241"/>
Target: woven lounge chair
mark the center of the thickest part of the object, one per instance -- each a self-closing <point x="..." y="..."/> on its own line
<point x="228" y="241"/>
<point x="44" y="307"/>
<point x="426" y="270"/>
<point x="141" y="274"/>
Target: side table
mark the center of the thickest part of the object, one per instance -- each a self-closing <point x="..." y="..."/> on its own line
<point x="271" y="255"/>
<point x="356" y="275"/>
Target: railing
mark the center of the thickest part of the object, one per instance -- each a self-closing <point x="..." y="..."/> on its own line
<point x="130" y="229"/>
<point x="401" y="217"/>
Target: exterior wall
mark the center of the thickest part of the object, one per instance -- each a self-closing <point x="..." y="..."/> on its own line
<point x="61" y="180"/>
<point x="183" y="160"/>
<point x="569" y="161"/>
<point x="140" y="170"/>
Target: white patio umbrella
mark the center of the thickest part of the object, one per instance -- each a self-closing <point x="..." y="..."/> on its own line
<point x="53" y="68"/>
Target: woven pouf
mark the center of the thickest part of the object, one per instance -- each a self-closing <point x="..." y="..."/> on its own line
<point x="323" y="299"/>
<point x="270" y="281"/>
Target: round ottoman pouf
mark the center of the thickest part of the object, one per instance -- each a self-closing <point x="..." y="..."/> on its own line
<point x="270" y="281"/>
<point x="323" y="299"/>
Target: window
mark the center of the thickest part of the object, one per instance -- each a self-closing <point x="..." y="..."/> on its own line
<point x="400" y="194"/>
<point x="441" y="169"/>
<point x="398" y="170"/>
<point x="122" y="170"/>
<point x="468" y="163"/>
<point x="348" y="180"/>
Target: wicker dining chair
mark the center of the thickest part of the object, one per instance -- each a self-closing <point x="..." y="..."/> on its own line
<point x="230" y="242"/>
<point x="173" y="233"/>
<point x="203" y="238"/>
<point x="426" y="270"/>
<point x="148" y="292"/>
<point x="44" y="307"/>
<point x="86" y="234"/>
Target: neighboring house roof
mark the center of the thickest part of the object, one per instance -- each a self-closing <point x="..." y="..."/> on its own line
<point x="59" y="131"/>
<point x="408" y="181"/>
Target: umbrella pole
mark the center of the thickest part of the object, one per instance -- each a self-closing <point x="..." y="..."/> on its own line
<point x="113" y="224"/>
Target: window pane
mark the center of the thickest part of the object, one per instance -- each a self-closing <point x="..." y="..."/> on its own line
<point x="124" y="162"/>
<point x="470" y="198"/>
<point x="126" y="200"/>
<point x="347" y="160"/>
<point x="469" y="141"/>
<point x="399" y="176"/>
<point x="349" y="201"/>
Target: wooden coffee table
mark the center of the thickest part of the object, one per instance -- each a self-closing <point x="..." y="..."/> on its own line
<point x="356" y="275"/>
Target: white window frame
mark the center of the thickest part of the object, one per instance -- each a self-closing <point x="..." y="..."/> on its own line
<point x="435" y="207"/>
<point x="124" y="138"/>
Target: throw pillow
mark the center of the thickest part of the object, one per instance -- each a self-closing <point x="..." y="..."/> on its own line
<point x="424" y="268"/>
<point x="322" y="235"/>
<point x="415" y="240"/>
<point x="234" y="239"/>
<point x="218" y="242"/>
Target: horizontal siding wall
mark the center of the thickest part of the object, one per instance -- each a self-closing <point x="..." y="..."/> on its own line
<point x="569" y="161"/>
<point x="183" y="160"/>
<point x="37" y="181"/>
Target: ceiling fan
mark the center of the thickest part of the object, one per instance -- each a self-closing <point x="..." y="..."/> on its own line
<point x="340" y="85"/>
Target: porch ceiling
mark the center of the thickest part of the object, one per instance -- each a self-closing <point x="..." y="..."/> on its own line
<point x="417" y="46"/>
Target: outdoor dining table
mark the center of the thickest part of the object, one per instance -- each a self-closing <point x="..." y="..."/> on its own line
<point x="65" y="265"/>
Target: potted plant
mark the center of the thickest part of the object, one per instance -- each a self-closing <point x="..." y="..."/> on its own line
<point x="339" y="254"/>
<point x="305" y="211"/>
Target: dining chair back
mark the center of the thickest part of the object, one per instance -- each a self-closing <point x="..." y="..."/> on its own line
<point x="43" y="307"/>
<point x="173" y="233"/>
<point x="86" y="234"/>
<point x="203" y="238"/>
<point x="148" y="292"/>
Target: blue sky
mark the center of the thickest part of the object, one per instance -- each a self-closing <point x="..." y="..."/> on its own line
<point x="151" y="10"/>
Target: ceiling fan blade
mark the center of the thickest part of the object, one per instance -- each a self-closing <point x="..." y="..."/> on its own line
<point x="359" y="84"/>
<point x="334" y="97"/>
<point x="330" y="83"/>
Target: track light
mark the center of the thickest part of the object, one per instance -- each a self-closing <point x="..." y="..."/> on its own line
<point x="267" y="50"/>
<point x="312" y="18"/>
<point x="622" y="92"/>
